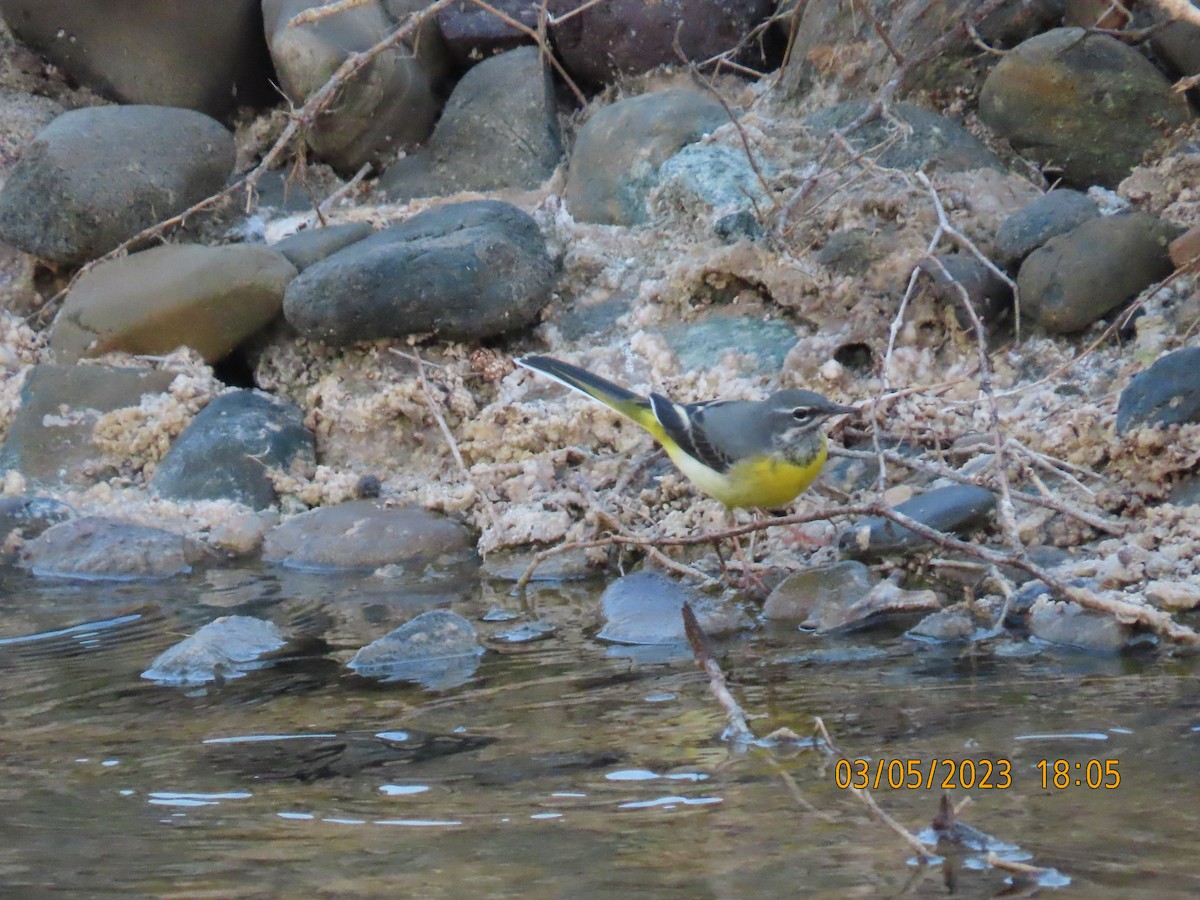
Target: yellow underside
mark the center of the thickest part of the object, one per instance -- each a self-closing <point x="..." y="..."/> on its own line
<point x="768" y="481"/>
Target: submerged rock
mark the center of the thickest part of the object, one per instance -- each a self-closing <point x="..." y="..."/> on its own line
<point x="799" y="596"/>
<point x="950" y="509"/>
<point x="966" y="621"/>
<point x="95" y="177"/>
<point x="1088" y="105"/>
<point x="1168" y="393"/>
<point x="96" y="548"/>
<point x="1077" y="277"/>
<point x="206" y="298"/>
<point x="228" y="451"/>
<point x="228" y="647"/>
<point x="464" y="271"/>
<point x="499" y="130"/>
<point x="1068" y="623"/>
<point x="438" y="649"/>
<point x="619" y="150"/>
<point x="368" y="534"/>
<point x="647" y="608"/>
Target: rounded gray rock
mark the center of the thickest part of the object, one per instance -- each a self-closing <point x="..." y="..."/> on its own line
<point x="935" y="141"/>
<point x="304" y="248"/>
<point x="499" y="129"/>
<point x="203" y="56"/>
<point x="1088" y="105"/>
<point x="364" y="534"/>
<point x="804" y="595"/>
<point x="1077" y="277"/>
<point x="96" y="548"/>
<point x="1168" y="393"/>
<point x="390" y="103"/>
<point x="227" y="450"/>
<point x="438" y="649"/>
<point x="464" y="271"/>
<point x="95" y="177"/>
<point x="949" y="509"/>
<point x="619" y="150"/>
<point x="1052" y="214"/>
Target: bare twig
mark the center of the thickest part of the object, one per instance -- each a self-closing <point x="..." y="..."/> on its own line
<point x="737" y="730"/>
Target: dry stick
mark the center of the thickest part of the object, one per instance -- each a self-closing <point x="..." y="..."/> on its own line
<point x="737" y="730"/>
<point x="345" y="190"/>
<point x="317" y="13"/>
<point x="865" y="796"/>
<point x="313" y="106"/>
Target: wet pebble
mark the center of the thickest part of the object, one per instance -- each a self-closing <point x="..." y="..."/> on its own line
<point x="438" y="649"/>
<point x="646" y="608"/>
<point x="949" y="509"/>
<point x="1077" y="277"/>
<point x="1167" y="393"/>
<point x="49" y="441"/>
<point x="227" y="451"/>
<point x="619" y="151"/>
<point x="626" y="37"/>
<point x="95" y="177"/>
<point x="391" y="103"/>
<point x="367" y="534"/>
<point x="97" y="548"/>
<point x="206" y="298"/>
<point x="801" y="595"/>
<point x="227" y="647"/>
<point x="961" y="622"/>
<point x="1088" y="105"/>
<point x="1068" y="623"/>
<point x="526" y="633"/>
<point x="465" y="271"/>
<point x="935" y="141"/>
<point x="1052" y="214"/>
<point x="499" y="130"/>
<point x="312" y="245"/>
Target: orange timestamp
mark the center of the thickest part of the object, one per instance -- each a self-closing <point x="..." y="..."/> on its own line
<point x="971" y="774"/>
<point x="913" y="774"/>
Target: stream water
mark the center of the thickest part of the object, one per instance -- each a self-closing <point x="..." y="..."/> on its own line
<point x="563" y="767"/>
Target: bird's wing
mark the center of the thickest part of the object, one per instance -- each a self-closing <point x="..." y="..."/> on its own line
<point x="684" y="424"/>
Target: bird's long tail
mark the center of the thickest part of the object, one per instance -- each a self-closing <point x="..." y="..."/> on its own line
<point x="623" y="400"/>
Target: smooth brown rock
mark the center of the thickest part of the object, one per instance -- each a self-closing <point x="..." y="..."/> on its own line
<point x="206" y="298"/>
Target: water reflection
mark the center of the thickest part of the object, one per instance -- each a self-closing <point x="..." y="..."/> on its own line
<point x="561" y="767"/>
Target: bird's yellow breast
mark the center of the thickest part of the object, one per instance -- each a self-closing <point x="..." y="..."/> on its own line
<point x="768" y="481"/>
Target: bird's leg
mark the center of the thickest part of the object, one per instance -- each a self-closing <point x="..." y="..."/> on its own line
<point x="716" y="545"/>
<point x="749" y="578"/>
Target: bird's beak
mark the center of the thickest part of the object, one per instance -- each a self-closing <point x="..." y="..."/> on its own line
<point x="837" y="409"/>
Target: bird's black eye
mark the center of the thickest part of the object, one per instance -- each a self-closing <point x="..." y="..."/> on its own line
<point x="802" y="413"/>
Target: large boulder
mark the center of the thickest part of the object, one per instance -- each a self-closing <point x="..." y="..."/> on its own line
<point x="1088" y="105"/>
<point x="391" y="102"/>
<point x="464" y="271"/>
<point x="95" y="177"/>
<point x="203" y="56"/>
<point x="499" y="129"/>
